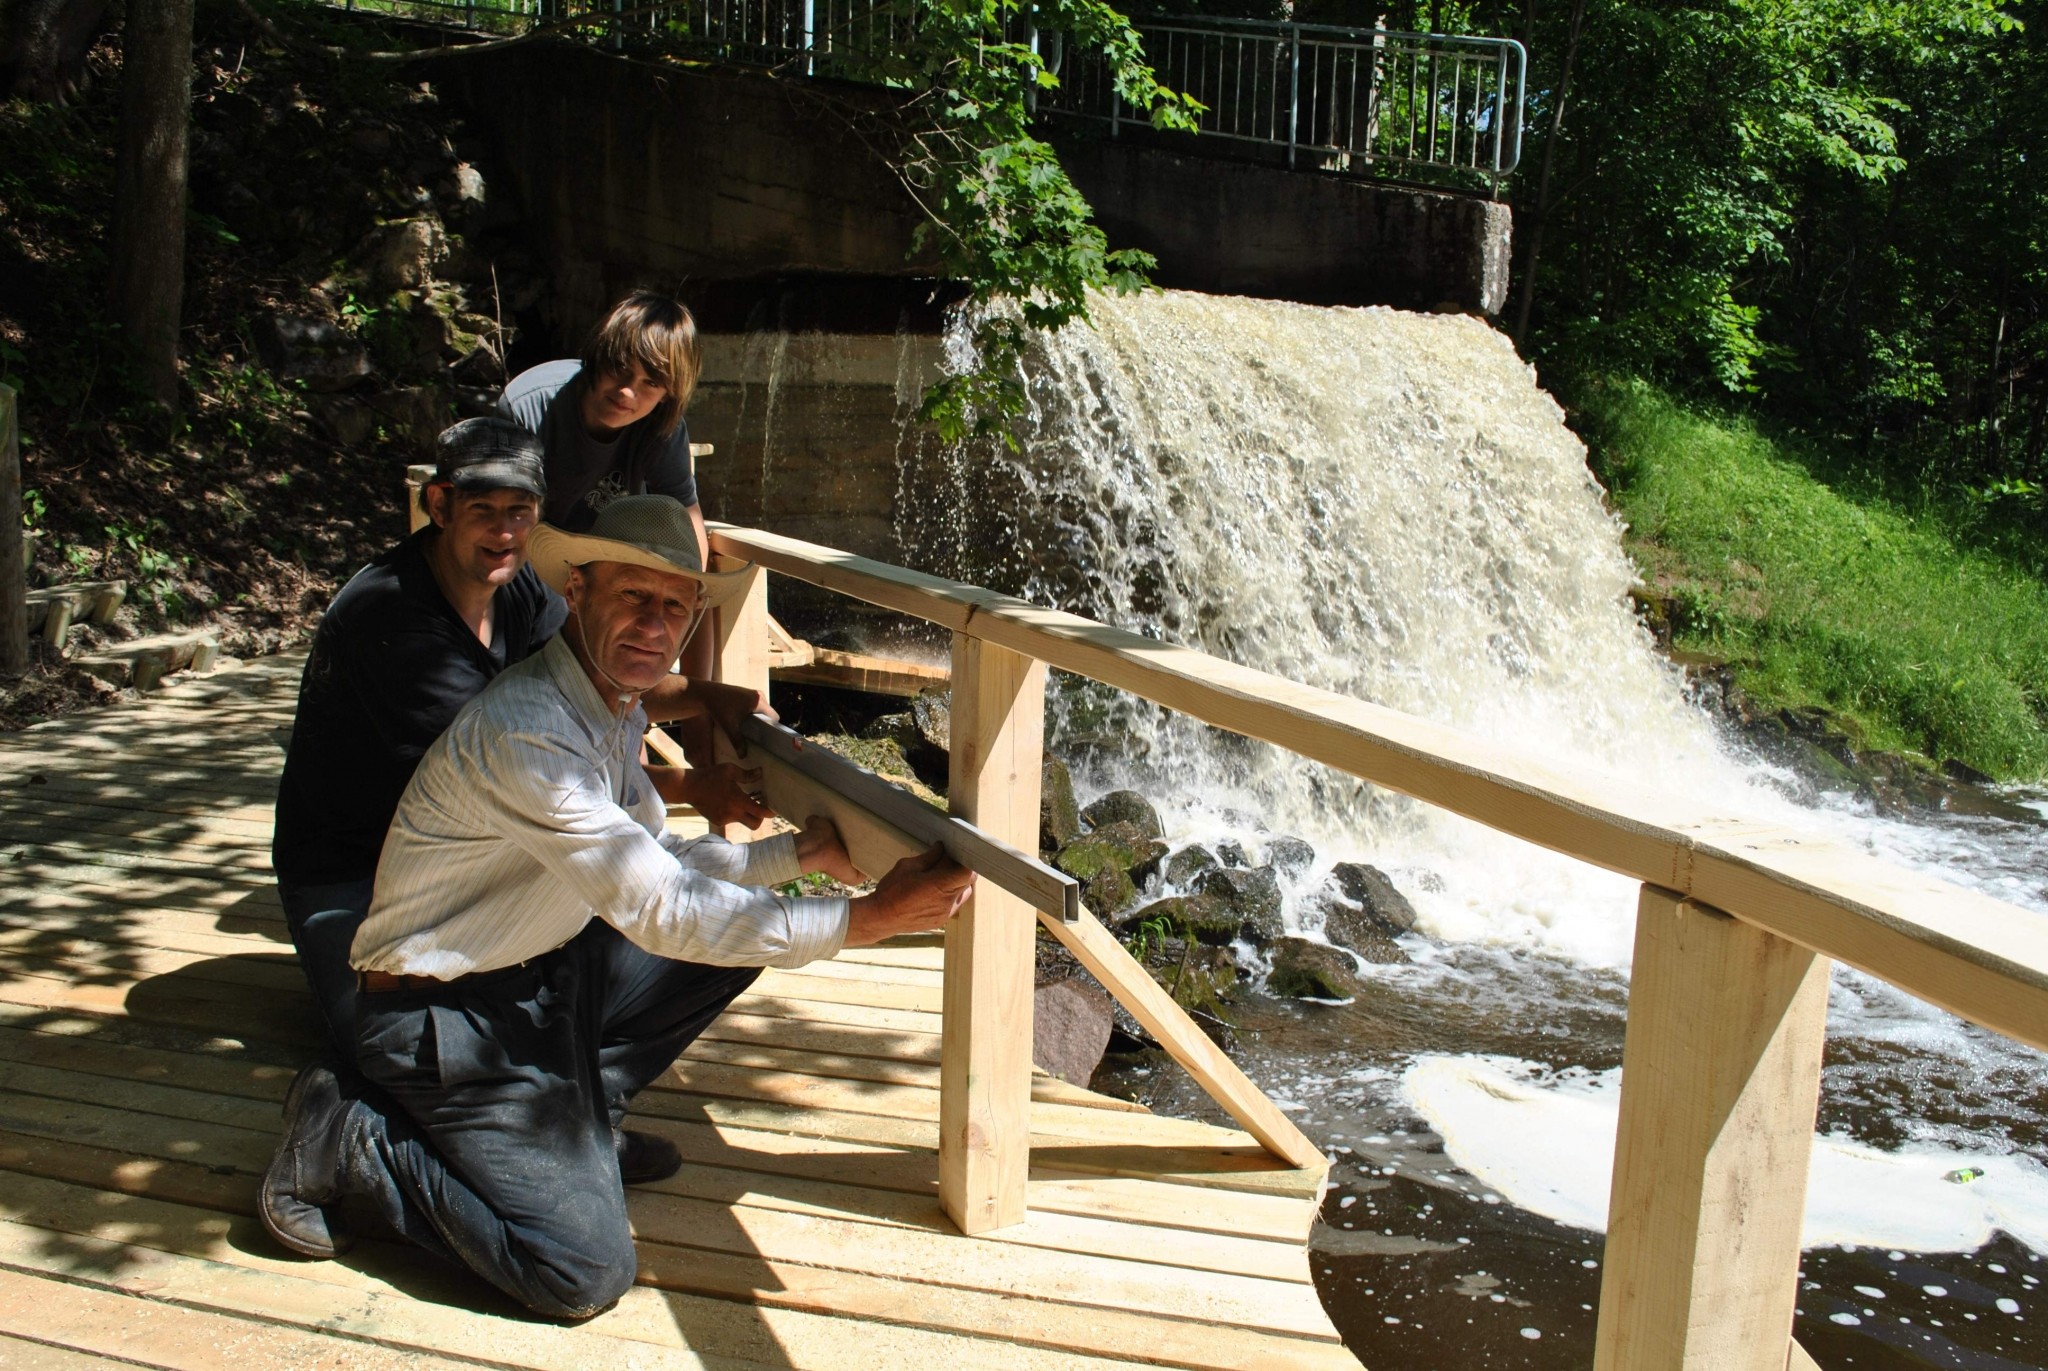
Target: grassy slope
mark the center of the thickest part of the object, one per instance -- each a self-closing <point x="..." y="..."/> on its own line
<point x="1823" y="600"/>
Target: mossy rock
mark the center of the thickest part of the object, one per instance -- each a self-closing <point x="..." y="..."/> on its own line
<point x="1059" y="818"/>
<point x="1109" y="892"/>
<point x="884" y="757"/>
<point x="1185" y="865"/>
<point x="1201" y="917"/>
<point x="1121" y="846"/>
<point x="1251" y="894"/>
<point x="1304" y="970"/>
<point x="1290" y="856"/>
<point x="1124" y="807"/>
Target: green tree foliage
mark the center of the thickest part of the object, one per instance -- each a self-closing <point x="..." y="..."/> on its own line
<point x="1001" y="213"/>
<point x="1822" y="206"/>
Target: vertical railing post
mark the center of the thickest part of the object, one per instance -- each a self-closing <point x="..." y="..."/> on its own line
<point x="998" y="753"/>
<point x="810" y="36"/>
<point x="742" y="630"/>
<point x="1293" y="89"/>
<point x="1720" y="1082"/>
<point x="13" y="562"/>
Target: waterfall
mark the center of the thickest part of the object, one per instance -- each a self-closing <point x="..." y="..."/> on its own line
<point x="1387" y="505"/>
<point x="1381" y="503"/>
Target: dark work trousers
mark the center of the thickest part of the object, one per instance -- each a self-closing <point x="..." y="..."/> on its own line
<point x="323" y="920"/>
<point x="487" y="1135"/>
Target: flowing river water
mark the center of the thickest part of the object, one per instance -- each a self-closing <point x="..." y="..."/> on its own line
<point x="1387" y="505"/>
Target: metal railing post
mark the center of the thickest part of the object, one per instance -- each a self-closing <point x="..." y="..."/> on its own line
<point x="1293" y="89"/>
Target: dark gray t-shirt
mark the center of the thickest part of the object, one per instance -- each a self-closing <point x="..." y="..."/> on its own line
<point x="585" y="475"/>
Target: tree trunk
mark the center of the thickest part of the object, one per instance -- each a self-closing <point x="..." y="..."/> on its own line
<point x="149" y="190"/>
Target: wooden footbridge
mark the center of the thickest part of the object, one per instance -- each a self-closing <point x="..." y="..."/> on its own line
<point x="873" y="1174"/>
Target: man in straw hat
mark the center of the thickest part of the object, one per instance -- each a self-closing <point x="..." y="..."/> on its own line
<point x="412" y="638"/>
<point x="540" y="948"/>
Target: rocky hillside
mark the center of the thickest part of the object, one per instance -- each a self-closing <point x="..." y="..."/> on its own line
<point x="352" y="287"/>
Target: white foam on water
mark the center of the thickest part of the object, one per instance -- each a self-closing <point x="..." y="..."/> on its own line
<point x="1546" y="1141"/>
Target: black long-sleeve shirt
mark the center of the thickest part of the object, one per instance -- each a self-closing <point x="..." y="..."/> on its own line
<point x="391" y="664"/>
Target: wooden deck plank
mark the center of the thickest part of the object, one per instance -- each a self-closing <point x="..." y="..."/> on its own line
<point x="19" y="1354"/>
<point x="208" y="1260"/>
<point x="152" y="1013"/>
<point x="97" y="1327"/>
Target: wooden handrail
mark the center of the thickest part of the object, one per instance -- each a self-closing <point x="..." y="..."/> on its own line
<point x="1973" y="955"/>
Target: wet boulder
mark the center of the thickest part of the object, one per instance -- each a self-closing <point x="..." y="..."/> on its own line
<point x="1231" y="853"/>
<point x="1109" y="892"/>
<point x="930" y="763"/>
<point x="1363" y="911"/>
<point x="1305" y="970"/>
<point x="1251" y="894"/>
<point x="1111" y="861"/>
<point x="1290" y="856"/>
<point x="1185" y="865"/>
<point x="1124" y="807"/>
<point x="1200" y="917"/>
<point x="1059" y="819"/>
<point x="932" y="712"/>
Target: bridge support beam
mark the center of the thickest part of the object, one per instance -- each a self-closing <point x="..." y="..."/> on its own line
<point x="1720" y="1084"/>
<point x="998" y="751"/>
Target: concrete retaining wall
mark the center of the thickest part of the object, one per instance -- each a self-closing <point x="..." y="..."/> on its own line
<point x="638" y="174"/>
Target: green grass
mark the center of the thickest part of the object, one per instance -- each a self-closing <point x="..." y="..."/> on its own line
<point x="1855" y="605"/>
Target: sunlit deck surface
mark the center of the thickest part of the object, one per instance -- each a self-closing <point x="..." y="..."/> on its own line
<point x="151" y="1015"/>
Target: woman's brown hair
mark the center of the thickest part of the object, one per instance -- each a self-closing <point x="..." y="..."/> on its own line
<point x="652" y="333"/>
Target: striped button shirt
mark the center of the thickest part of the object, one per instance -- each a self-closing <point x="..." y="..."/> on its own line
<point x="532" y="814"/>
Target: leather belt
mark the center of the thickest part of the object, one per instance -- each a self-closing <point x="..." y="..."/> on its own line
<point x="385" y="982"/>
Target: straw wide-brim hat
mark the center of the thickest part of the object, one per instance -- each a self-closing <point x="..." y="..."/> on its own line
<point x="639" y="530"/>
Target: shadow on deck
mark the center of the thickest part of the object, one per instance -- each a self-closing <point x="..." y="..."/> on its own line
<point x="152" y="1014"/>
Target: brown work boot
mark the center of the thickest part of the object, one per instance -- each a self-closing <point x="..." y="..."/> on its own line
<point x="304" y="1175"/>
<point x="645" y="1157"/>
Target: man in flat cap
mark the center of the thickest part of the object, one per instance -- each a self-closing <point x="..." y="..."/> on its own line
<point x="412" y="638"/>
<point x="540" y="947"/>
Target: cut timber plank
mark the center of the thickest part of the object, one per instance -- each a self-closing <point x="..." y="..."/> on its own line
<point x="997" y="753"/>
<point x="995" y="857"/>
<point x="211" y="1261"/>
<point x="858" y="671"/>
<point x="1096" y="948"/>
<point x="97" y="1324"/>
<point x="1720" y="1083"/>
<point x="18" y="1354"/>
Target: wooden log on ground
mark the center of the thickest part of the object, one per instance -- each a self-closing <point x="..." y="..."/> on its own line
<point x="144" y="662"/>
<point x="54" y="609"/>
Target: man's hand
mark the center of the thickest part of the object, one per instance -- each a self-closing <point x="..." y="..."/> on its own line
<point x="917" y="895"/>
<point x="729" y="706"/>
<point x="820" y="848"/>
<point x="723" y="794"/>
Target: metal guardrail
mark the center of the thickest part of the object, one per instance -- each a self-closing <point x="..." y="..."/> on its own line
<point x="1359" y="101"/>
